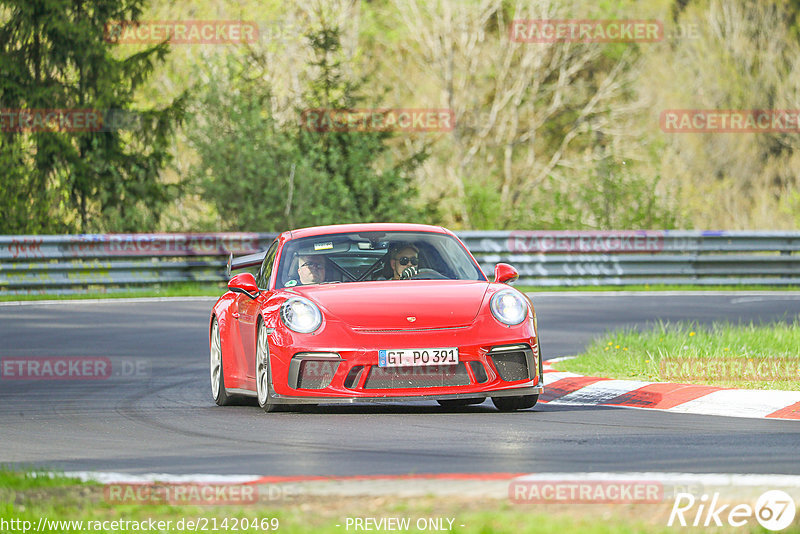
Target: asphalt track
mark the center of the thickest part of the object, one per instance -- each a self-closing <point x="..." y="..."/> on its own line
<point x="155" y="414"/>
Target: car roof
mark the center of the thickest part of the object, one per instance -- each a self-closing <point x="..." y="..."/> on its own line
<point x="362" y="227"/>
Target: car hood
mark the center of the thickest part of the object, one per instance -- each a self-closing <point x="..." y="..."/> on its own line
<point x="399" y="305"/>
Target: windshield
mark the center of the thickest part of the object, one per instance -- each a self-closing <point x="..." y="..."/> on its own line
<point x="370" y="256"/>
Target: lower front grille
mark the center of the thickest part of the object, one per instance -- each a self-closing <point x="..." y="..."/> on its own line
<point x="511" y="366"/>
<point x="312" y="370"/>
<point x="316" y="374"/>
<point x="429" y="376"/>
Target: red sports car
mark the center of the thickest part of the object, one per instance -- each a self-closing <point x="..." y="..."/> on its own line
<point x="367" y="312"/>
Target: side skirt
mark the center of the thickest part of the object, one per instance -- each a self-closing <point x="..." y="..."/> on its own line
<point x="243" y="392"/>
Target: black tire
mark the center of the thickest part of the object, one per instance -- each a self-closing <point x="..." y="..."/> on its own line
<point x="218" y="391"/>
<point x="510" y="404"/>
<point x="262" y="371"/>
<point x="459" y="403"/>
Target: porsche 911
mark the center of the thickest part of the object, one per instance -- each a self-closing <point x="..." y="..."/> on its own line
<point x="372" y="312"/>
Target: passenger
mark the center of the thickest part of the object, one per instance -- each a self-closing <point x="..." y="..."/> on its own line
<point x="310" y="270"/>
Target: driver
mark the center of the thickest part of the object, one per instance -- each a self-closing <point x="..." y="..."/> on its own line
<point x="403" y="261"/>
<point x="310" y="270"/>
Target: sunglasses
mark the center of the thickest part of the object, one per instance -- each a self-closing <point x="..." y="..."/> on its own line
<point x="405" y="259"/>
<point x="312" y="264"/>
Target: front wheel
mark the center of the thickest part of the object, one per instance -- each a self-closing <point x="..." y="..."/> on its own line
<point x="509" y="404"/>
<point x="218" y="390"/>
<point x="262" y="370"/>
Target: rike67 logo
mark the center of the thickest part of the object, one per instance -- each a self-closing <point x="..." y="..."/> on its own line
<point x="774" y="510"/>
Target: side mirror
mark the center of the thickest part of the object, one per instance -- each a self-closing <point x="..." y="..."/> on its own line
<point x="504" y="273"/>
<point x="244" y="283"/>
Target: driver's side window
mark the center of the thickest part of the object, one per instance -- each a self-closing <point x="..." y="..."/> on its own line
<point x="262" y="280"/>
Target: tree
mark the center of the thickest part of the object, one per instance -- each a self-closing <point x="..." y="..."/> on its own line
<point x="348" y="161"/>
<point x="54" y="54"/>
<point x="743" y="56"/>
<point x="246" y="160"/>
<point x="265" y="171"/>
<point x="533" y="121"/>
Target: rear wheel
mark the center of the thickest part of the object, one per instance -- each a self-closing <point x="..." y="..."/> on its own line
<point x="459" y="403"/>
<point x="218" y="390"/>
<point x="509" y="404"/>
<point x="262" y="370"/>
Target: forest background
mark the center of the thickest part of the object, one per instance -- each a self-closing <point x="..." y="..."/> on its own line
<point x="559" y="135"/>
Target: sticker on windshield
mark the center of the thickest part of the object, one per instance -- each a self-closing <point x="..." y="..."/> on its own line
<point x="291" y="283"/>
<point x="323" y="246"/>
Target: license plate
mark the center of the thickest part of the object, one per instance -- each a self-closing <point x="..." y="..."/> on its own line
<point x="417" y="357"/>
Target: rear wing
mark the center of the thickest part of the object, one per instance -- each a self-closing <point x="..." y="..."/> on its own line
<point x="242" y="262"/>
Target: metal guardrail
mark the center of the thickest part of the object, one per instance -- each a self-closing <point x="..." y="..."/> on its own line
<point x="580" y="258"/>
<point x="73" y="263"/>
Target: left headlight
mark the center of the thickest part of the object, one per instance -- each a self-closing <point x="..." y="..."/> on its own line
<point x="508" y="307"/>
<point x="301" y="315"/>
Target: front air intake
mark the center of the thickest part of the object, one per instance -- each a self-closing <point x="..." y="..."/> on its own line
<point x="313" y="370"/>
<point x="316" y="374"/>
<point x="512" y="363"/>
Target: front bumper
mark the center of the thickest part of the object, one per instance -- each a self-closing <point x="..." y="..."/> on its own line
<point x="317" y="372"/>
<point x="286" y="399"/>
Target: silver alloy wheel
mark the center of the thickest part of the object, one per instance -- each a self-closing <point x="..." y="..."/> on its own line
<point x="262" y="363"/>
<point x="216" y="360"/>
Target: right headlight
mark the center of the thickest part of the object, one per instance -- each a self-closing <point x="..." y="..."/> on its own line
<point x="508" y="307"/>
<point x="301" y="315"/>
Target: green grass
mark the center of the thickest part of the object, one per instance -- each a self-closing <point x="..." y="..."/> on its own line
<point x="22" y="480"/>
<point x="30" y="497"/>
<point x="723" y="354"/>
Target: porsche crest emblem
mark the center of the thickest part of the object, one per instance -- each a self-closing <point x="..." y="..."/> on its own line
<point x="411" y="319"/>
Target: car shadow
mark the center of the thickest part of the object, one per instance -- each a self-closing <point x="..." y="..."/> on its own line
<point x="388" y="408"/>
